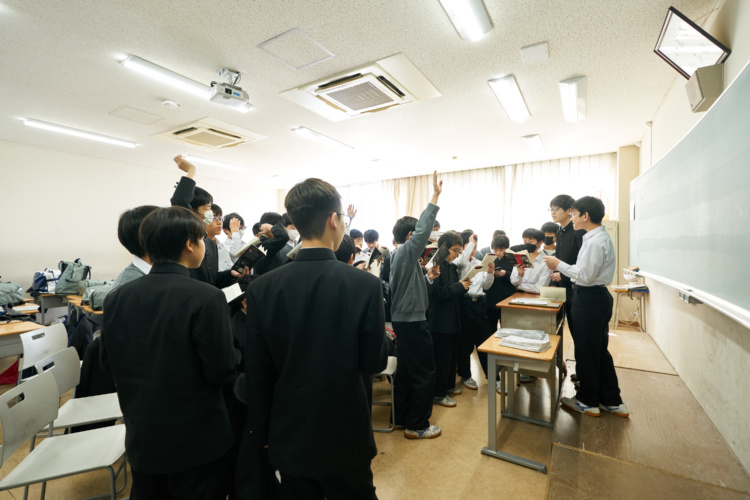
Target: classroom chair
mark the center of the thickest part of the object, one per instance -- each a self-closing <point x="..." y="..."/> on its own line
<point x="388" y="373"/>
<point x="39" y="344"/>
<point x="28" y="408"/>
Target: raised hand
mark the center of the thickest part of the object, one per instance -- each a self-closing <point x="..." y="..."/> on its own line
<point x="185" y="166"/>
<point x="234" y="225"/>
<point x="437" y="187"/>
<point x="351" y="211"/>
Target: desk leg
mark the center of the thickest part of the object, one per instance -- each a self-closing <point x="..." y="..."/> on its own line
<point x="492" y="403"/>
<point x="617" y="309"/>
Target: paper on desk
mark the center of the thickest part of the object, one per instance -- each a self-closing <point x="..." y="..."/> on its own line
<point x="532" y="302"/>
<point x="232" y="292"/>
<point x="483" y="268"/>
<point x="553" y="293"/>
<point x="529" y="334"/>
<point x="526" y="344"/>
<point x="30" y="307"/>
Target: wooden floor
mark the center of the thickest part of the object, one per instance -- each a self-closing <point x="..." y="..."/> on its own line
<point x="667" y="448"/>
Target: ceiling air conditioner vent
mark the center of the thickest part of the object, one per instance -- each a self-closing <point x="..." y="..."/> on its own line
<point x="209" y="135"/>
<point x="360" y="93"/>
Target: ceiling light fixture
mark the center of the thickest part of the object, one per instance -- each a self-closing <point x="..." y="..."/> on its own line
<point x="83" y="134"/>
<point x="164" y="75"/>
<point x="469" y="17"/>
<point x="322" y="139"/>
<point x="534" y="143"/>
<point x="573" y="95"/>
<point x="507" y="92"/>
<point x="214" y="163"/>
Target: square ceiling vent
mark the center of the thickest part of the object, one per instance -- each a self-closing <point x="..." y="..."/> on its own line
<point x="209" y="134"/>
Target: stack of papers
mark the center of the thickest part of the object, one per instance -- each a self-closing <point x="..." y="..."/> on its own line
<point x="527" y="334"/>
<point x="526" y="344"/>
<point x="534" y="302"/>
<point x="26" y="308"/>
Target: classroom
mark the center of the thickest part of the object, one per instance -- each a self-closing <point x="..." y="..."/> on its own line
<point x="135" y="74"/>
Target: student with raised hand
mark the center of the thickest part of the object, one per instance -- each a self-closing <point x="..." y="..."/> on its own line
<point x="127" y="233"/>
<point x="273" y="238"/>
<point x="591" y="310"/>
<point x="415" y="377"/>
<point x="234" y="229"/>
<point x="315" y="315"/>
<point x="531" y="280"/>
<point x="167" y="342"/>
<point x="188" y="195"/>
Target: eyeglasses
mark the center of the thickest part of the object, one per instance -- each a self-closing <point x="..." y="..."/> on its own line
<point x="553" y="209"/>
<point x="575" y="214"/>
<point x="220" y="219"/>
<point x="347" y="219"/>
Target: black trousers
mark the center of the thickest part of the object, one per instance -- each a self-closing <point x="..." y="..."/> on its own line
<point x="205" y="482"/>
<point x="591" y="311"/>
<point x="415" y="375"/>
<point x="494" y="317"/>
<point x="475" y="329"/>
<point x="355" y="484"/>
<point x="445" y="346"/>
<point x="568" y="305"/>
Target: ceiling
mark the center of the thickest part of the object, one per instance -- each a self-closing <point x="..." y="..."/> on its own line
<point x="60" y="64"/>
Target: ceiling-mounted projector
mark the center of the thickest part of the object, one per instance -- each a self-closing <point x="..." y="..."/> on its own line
<point x="228" y="95"/>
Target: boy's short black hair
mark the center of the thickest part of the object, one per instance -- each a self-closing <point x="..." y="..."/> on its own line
<point x="403" y="227"/>
<point x="592" y="206"/>
<point x="533" y="233"/>
<point x="256" y="228"/>
<point x="228" y="219"/>
<point x="309" y="204"/>
<point x="286" y="220"/>
<point x="165" y="231"/>
<point x="128" y="225"/>
<point x="200" y="197"/>
<point x="450" y="238"/>
<point x="499" y="232"/>
<point x="270" y="218"/>
<point x="346" y="249"/>
<point x="550" y="227"/>
<point x="466" y="235"/>
<point x="436" y="224"/>
<point x="371" y="236"/>
<point x="356" y="233"/>
<point x="500" y="241"/>
<point x="563" y="201"/>
<point x="216" y="209"/>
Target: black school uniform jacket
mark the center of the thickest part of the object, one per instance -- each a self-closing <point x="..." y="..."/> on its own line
<point x="167" y="342"/>
<point x="444" y="311"/>
<point x="314" y="325"/>
<point x="501" y="288"/>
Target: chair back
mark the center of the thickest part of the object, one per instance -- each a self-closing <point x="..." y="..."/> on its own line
<point x="65" y="366"/>
<point x="390" y="368"/>
<point x="39" y="344"/>
<point x="25" y="410"/>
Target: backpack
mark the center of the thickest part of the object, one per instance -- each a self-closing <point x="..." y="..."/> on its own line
<point x="83" y="285"/>
<point x="10" y="294"/>
<point x="72" y="273"/>
<point x="97" y="295"/>
<point x="44" y="282"/>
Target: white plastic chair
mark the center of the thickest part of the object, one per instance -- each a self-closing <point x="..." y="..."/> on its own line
<point x="66" y="368"/>
<point x="39" y="344"/>
<point x="390" y="370"/>
<point x="24" y="411"/>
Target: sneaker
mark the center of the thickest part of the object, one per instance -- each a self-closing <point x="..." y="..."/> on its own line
<point x="455" y="391"/>
<point x="526" y="379"/>
<point x="470" y="383"/>
<point x="398" y="427"/>
<point x="432" y="431"/>
<point x="497" y="388"/>
<point x="620" y="410"/>
<point x="575" y="405"/>
<point x="446" y="401"/>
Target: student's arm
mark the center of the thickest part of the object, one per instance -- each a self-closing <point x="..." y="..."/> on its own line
<point x="463" y="258"/>
<point x="280" y="237"/>
<point x="259" y="369"/>
<point x="352" y="213"/>
<point x="373" y="356"/>
<point x="212" y="341"/>
<point x="489" y="277"/>
<point x="534" y="281"/>
<point x="515" y="278"/>
<point x="418" y="241"/>
<point x="183" y="194"/>
<point x="442" y="290"/>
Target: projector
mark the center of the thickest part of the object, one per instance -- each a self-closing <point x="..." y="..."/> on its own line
<point x="228" y="95"/>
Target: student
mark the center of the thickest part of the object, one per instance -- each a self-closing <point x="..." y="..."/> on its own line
<point x="256" y="229"/>
<point x="234" y="229"/>
<point x="167" y="342"/>
<point x="273" y="238"/>
<point x="444" y="319"/>
<point x="213" y="231"/>
<point x="500" y="290"/>
<point x="592" y="310"/>
<point x="346" y="250"/>
<point x="486" y="250"/>
<point x="415" y="378"/>
<point x="532" y="280"/>
<point x="188" y="195"/>
<point x="127" y="233"/>
<point x="358" y="238"/>
<point x="435" y="233"/>
<point x="550" y="233"/>
<point x="291" y="230"/>
<point x="475" y="326"/>
<point x="315" y="316"/>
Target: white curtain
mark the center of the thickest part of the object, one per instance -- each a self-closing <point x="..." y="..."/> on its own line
<point x="512" y="198"/>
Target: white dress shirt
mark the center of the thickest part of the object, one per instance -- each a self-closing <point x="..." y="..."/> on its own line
<point x="481" y="281"/>
<point x="596" y="260"/>
<point x="233" y="245"/>
<point x="141" y="264"/>
<point x="225" y="260"/>
<point x="534" y="278"/>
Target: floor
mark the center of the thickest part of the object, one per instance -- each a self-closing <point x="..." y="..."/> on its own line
<point x="667" y="448"/>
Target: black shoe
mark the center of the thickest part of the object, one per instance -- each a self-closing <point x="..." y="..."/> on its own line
<point x="574" y="377"/>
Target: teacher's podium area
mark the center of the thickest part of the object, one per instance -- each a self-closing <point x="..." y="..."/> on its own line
<point x="668" y="448"/>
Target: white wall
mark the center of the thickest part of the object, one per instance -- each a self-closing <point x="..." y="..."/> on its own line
<point x="61" y="206"/>
<point x="710" y="351"/>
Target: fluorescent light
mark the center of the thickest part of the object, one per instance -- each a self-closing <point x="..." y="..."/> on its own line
<point x="93" y="136"/>
<point x="322" y="139"/>
<point x="469" y="17"/>
<point x="214" y="163"/>
<point x="534" y="143"/>
<point x="573" y="95"/>
<point x="507" y="91"/>
<point x="165" y="76"/>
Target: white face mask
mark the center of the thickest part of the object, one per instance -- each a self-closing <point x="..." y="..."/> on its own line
<point x="293" y="234"/>
<point x="208" y="217"/>
<point x="434" y="235"/>
<point x="242" y="233"/>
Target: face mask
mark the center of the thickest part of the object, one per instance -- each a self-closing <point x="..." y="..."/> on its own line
<point x="242" y="233"/>
<point x="434" y="235"/>
<point x="208" y="217"/>
<point x="293" y="234"/>
<point x="549" y="240"/>
<point x="530" y="247"/>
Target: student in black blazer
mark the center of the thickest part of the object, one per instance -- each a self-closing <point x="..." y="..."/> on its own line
<point x="167" y="342"/>
<point x="314" y="326"/>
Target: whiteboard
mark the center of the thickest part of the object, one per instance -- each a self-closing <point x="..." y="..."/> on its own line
<point x="690" y="212"/>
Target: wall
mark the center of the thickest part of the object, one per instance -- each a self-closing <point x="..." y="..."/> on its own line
<point x="61" y="206"/>
<point x="710" y="351"/>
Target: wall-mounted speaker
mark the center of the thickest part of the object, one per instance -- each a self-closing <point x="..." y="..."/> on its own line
<point x="704" y="87"/>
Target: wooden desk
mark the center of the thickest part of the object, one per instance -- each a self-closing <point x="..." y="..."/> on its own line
<point x="75" y="301"/>
<point x="10" y="342"/>
<point x="640" y="309"/>
<point x="547" y="319"/>
<point x="511" y="362"/>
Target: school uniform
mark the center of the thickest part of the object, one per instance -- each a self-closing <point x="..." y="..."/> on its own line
<point x="225" y="260"/>
<point x="591" y="311"/>
<point x="315" y="326"/>
<point x="233" y="245"/>
<point x="273" y="246"/>
<point x="167" y="343"/>
<point x="136" y="269"/>
<point x="567" y="245"/>
<point x="533" y="278"/>
<point x="475" y="326"/>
